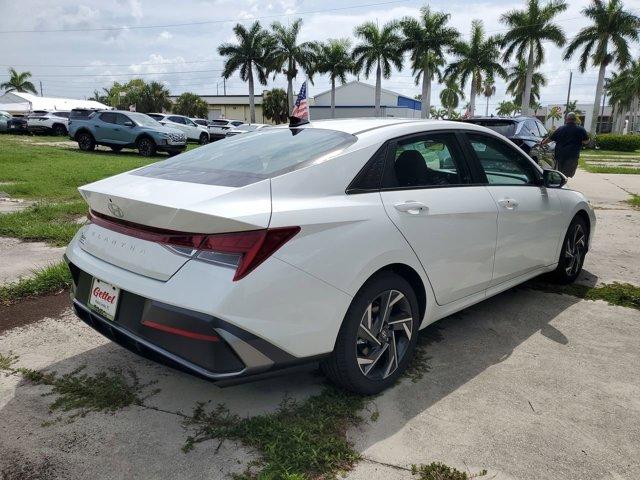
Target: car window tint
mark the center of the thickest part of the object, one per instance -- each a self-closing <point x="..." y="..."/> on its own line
<point x="176" y="119"/>
<point x="62" y="114"/>
<point x="121" y="119"/>
<point x="218" y="122"/>
<point x="428" y="160"/>
<point x="108" y="117"/>
<point x="155" y="116"/>
<point x="502" y="164"/>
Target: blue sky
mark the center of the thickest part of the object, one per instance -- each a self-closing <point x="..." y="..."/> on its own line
<point x="74" y="63"/>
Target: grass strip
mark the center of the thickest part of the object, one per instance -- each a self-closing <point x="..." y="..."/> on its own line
<point x="608" y="168"/>
<point x="634" y="201"/>
<point x="619" y="294"/>
<point x="46" y="280"/>
<point x="54" y="223"/>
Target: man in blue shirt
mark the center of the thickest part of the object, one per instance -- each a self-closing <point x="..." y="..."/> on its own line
<point x="569" y="139"/>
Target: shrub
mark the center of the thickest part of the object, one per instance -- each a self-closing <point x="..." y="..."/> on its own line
<point x="619" y="143"/>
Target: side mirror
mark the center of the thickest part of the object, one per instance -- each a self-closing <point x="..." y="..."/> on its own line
<point x="553" y="179"/>
<point x="129" y="124"/>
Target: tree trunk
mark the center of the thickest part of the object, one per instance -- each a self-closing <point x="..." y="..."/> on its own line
<point x="378" y="89"/>
<point x="252" y="102"/>
<point x="526" y="93"/>
<point x="449" y="112"/>
<point x="472" y="97"/>
<point x="290" y="89"/>
<point x="425" y="109"/>
<point x="486" y="110"/>
<point x="333" y="98"/>
<point x="596" y="104"/>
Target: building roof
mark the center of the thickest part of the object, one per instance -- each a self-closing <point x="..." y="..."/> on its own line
<point x="25" y="102"/>
<point x="366" y="85"/>
<point x="226" y="99"/>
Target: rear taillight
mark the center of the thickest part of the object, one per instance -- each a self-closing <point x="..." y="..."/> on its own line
<point x="244" y="250"/>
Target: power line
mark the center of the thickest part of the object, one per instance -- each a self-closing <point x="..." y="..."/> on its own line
<point x="204" y="22"/>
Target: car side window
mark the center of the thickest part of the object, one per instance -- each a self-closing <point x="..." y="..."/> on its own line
<point x="502" y="164"/>
<point x="122" y="119"/>
<point x="531" y="126"/>
<point x="176" y="119"/>
<point x="108" y="117"/>
<point x="429" y="160"/>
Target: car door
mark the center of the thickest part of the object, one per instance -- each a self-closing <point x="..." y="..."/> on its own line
<point x="125" y="131"/>
<point x="178" y="123"/>
<point x="192" y="128"/>
<point x="530" y="216"/>
<point x="104" y="126"/>
<point x="449" y="223"/>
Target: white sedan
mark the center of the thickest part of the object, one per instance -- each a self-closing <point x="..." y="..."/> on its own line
<point x="193" y="131"/>
<point x="334" y="241"/>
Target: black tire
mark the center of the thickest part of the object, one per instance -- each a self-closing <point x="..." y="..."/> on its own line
<point x="59" y="130"/>
<point x="343" y="366"/>
<point x="574" y="249"/>
<point x="146" y="147"/>
<point x="204" y="138"/>
<point x="115" y="149"/>
<point x="86" y="142"/>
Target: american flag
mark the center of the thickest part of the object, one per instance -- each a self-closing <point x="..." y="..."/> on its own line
<point x="301" y="106"/>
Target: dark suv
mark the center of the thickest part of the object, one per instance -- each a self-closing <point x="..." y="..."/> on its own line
<point x="526" y="132"/>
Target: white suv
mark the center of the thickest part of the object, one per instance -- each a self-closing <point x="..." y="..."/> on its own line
<point x="193" y="131"/>
<point x="48" y="122"/>
<point x="218" y="128"/>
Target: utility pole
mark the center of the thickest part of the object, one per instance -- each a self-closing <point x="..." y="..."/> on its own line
<point x="224" y="86"/>
<point x="604" y="96"/>
<point x="41" y="88"/>
<point x="566" y="110"/>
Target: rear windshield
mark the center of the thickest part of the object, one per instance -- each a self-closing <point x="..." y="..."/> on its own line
<point x="243" y="159"/>
<point x="81" y="113"/>
<point x="508" y="129"/>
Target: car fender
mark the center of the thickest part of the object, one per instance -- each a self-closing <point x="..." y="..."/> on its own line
<point x="574" y="202"/>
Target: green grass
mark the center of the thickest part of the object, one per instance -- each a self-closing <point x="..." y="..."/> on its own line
<point x="634" y="201"/>
<point x="620" y="294"/>
<point x="440" y="471"/>
<point x="46" y="280"/>
<point x="607" y="168"/>
<point x="78" y="393"/>
<point x="55" y="223"/>
<point x="609" y="154"/>
<point x="300" y="440"/>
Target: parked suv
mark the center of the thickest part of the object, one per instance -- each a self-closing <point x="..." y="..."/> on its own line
<point x="526" y="132"/>
<point x="42" y="121"/>
<point x="4" y="121"/>
<point x="121" y="129"/>
<point x="193" y="131"/>
<point x="218" y="128"/>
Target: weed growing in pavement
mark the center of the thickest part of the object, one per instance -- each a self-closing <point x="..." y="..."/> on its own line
<point x="81" y="393"/>
<point x="440" y="471"/>
<point x="420" y="363"/>
<point x="44" y="281"/>
<point x="634" y="201"/>
<point x="300" y="440"/>
<point x="620" y="294"/>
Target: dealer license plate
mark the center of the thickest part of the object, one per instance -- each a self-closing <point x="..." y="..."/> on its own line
<point x="103" y="298"/>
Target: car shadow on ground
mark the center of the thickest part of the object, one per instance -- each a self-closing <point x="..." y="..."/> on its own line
<point x="460" y="347"/>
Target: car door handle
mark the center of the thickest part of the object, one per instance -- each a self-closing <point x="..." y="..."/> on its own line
<point x="509" y="203"/>
<point x="411" y="207"/>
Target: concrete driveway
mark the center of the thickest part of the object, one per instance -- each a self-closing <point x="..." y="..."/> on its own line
<point x="526" y="385"/>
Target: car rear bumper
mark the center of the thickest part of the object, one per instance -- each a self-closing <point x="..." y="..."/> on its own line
<point x="189" y="341"/>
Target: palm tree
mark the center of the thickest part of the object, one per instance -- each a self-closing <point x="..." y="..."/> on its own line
<point x="333" y="58"/>
<point x="252" y="52"/>
<point x="427" y="38"/>
<point x="287" y="54"/>
<point x="155" y="98"/>
<point x="478" y="58"/>
<point x="555" y="113"/>
<point x="516" y="82"/>
<point x="624" y="95"/>
<point x="380" y="48"/>
<point x="612" y="25"/>
<point x="488" y="90"/>
<point x="505" y="108"/>
<point x="527" y="30"/>
<point x="19" y="82"/>
<point x="450" y="96"/>
<point x="274" y="105"/>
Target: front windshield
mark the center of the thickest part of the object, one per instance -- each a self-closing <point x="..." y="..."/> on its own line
<point x="143" y="120"/>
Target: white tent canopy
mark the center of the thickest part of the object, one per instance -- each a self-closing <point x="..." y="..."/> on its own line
<point x="20" y="102"/>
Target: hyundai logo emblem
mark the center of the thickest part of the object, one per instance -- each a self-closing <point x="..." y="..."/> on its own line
<point x="115" y="209"/>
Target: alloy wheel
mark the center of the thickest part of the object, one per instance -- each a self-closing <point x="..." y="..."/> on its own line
<point x="574" y="250"/>
<point x="384" y="334"/>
